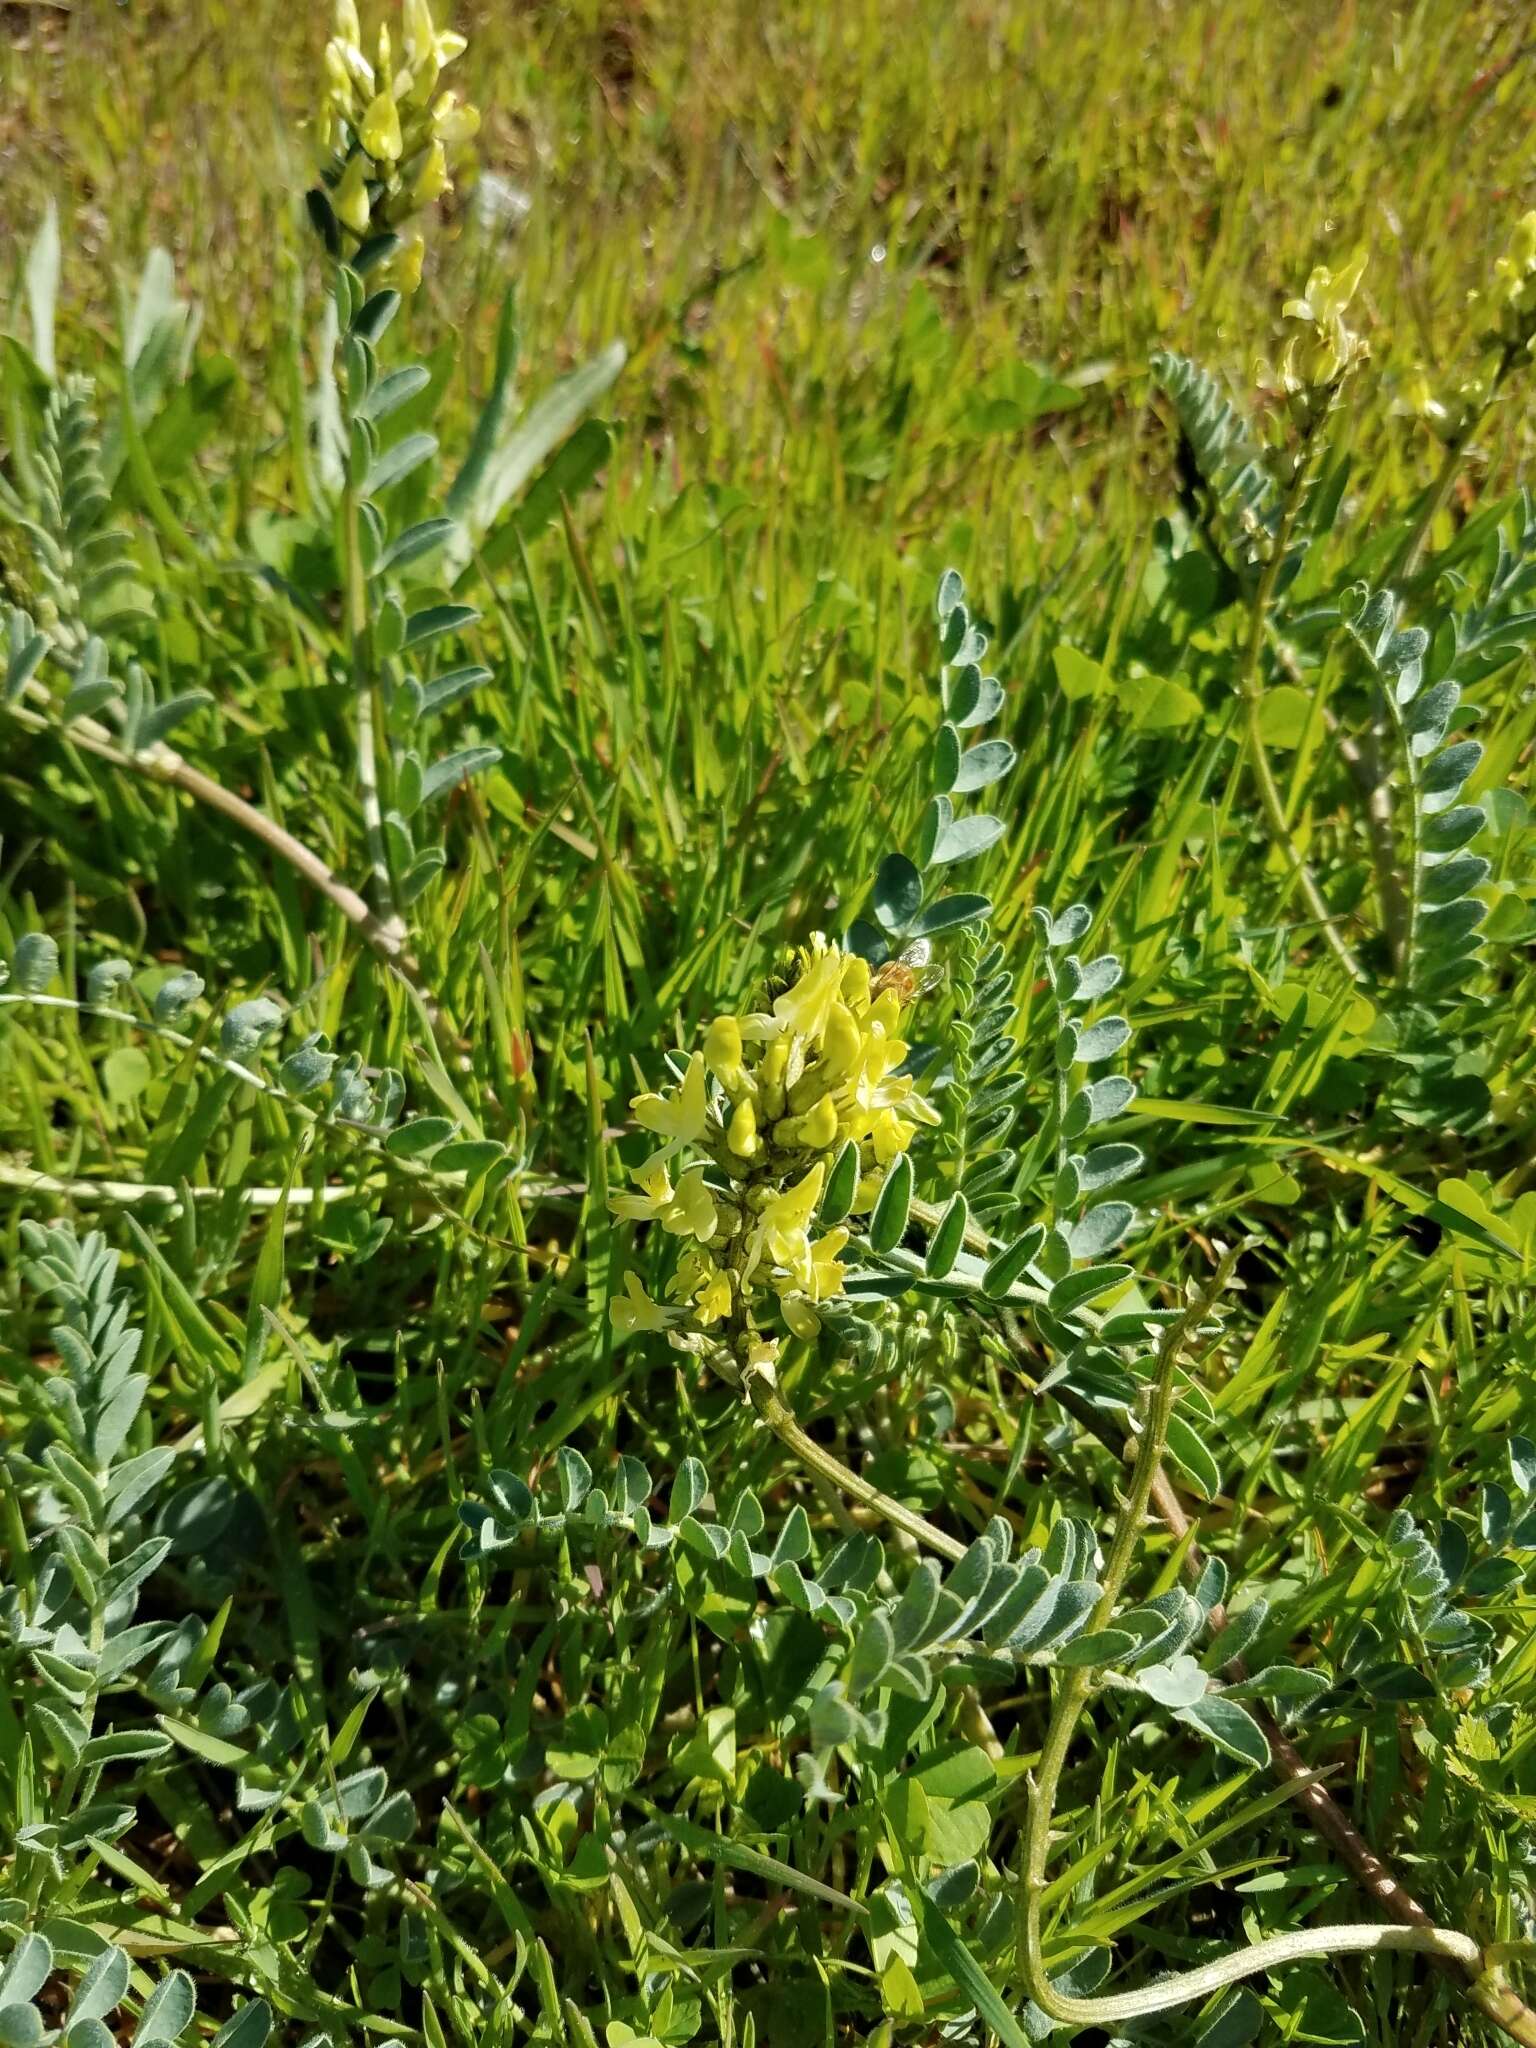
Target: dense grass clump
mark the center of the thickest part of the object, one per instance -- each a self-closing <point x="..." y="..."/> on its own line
<point x="756" y="1290"/>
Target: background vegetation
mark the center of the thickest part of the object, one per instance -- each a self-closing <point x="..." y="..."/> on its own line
<point x="890" y="279"/>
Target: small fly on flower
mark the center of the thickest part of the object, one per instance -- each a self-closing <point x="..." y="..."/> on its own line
<point x="911" y="974"/>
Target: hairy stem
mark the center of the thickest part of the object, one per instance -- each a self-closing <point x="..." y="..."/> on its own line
<point x="130" y="1194"/>
<point x="161" y="763"/>
<point x="1072" y="1693"/>
<point x="769" y="1403"/>
<point x="1415" y="1932"/>
<point x="1486" y="1986"/>
<point x="408" y="1169"/>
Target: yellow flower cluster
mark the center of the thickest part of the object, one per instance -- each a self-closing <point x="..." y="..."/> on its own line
<point x="1513" y="297"/>
<point x="1323" y="348"/>
<point x="390" y="135"/>
<point x="750" y="1136"/>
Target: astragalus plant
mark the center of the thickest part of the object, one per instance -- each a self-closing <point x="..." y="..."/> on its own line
<point x="740" y="1301"/>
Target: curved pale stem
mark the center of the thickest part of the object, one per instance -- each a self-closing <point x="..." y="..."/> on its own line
<point x="766" y="1399"/>
<point x="1187" y="1986"/>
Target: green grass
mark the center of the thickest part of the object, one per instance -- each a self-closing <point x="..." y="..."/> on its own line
<point x="889" y="278"/>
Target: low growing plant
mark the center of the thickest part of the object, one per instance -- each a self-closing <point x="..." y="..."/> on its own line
<point x="704" y="1342"/>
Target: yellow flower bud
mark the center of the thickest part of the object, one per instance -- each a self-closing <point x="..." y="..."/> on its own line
<point x="347" y="25"/>
<point x="770" y="1079"/>
<point x="722" y="1041"/>
<point x="885" y="1012"/>
<point x="404" y="270"/>
<point x="741" y="1133"/>
<point x="380" y="131"/>
<point x="350" y="199"/>
<point x="855" y="984"/>
<point x="841" y="1041"/>
<point x="800" y="1316"/>
<point x="432" y="180"/>
<point x="818" y="1127"/>
<point x="455" y="124"/>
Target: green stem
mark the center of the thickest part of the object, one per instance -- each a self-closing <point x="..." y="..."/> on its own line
<point x="364" y="690"/>
<point x="1072" y="1693"/>
<point x="1251" y="691"/>
<point x="1400" y="905"/>
<point x="79" y="1784"/>
<point x="130" y="1194"/>
<point x="1189" y="1985"/>
<point x="428" y="1181"/>
<point x="1404" y="958"/>
<point x="161" y="763"/>
<point x="769" y="1403"/>
<point x="1487" y="1986"/>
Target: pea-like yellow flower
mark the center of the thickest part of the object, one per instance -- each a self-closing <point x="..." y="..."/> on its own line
<point x="679" y="1115"/>
<point x="454" y="122"/>
<point x="691" y="1213"/>
<point x="1323" y="348"/>
<point x="762" y="1353"/>
<point x="890" y="1134"/>
<point x="389" y="135"/>
<point x="350" y="199"/>
<point x="432" y="180"/>
<point x="765" y="1108"/>
<point x="826" y="1272"/>
<point x="380" y="130"/>
<point x="635" y="1310"/>
<point x="651" y="1203"/>
<point x="805" y="1008"/>
<point x="704" y="1286"/>
<point x="741" y="1134"/>
<point x="785" y="1218"/>
<point x="425" y="43"/>
<point x="723" y="1051"/>
<point x="403" y="270"/>
<point x="349" y="72"/>
<point x="1512" y="298"/>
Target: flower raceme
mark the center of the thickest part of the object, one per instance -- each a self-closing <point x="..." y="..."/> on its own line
<point x="776" y="1110"/>
<point x="1322" y="348"/>
<point x="389" y="135"/>
<point x="1513" y="297"/>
